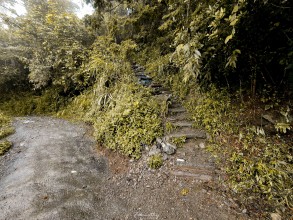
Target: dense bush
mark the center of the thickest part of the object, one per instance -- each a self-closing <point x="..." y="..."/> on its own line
<point x="131" y="121"/>
<point x="5" y="130"/>
<point x="48" y="101"/>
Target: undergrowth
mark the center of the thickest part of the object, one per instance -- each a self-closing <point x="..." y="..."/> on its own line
<point x="5" y="130"/>
<point x="155" y="161"/>
<point x="134" y="120"/>
<point x="259" y="167"/>
<point x="4" y="146"/>
<point x="31" y="103"/>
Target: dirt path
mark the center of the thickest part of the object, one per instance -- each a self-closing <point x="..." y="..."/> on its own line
<point x="50" y="173"/>
<point x="54" y="172"/>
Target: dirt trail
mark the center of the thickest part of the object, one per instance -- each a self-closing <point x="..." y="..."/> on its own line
<point x="54" y="172"/>
<point x="50" y="173"/>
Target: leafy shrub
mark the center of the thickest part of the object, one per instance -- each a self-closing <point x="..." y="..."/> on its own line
<point x="132" y="120"/>
<point x="211" y="110"/>
<point x="169" y="127"/>
<point x="5" y="126"/>
<point x="155" y="161"/>
<point x="5" y="130"/>
<point x="124" y="114"/>
<point x="178" y="141"/>
<point x="127" y="120"/>
<point x="4" y="146"/>
<point x="31" y="103"/>
<point x="78" y="107"/>
<point x="263" y="170"/>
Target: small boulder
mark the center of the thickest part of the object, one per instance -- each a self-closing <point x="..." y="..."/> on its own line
<point x="168" y="148"/>
<point x="276" y="216"/>
<point x="202" y="145"/>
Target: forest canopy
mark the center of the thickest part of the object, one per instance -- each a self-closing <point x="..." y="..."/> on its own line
<point x="230" y="43"/>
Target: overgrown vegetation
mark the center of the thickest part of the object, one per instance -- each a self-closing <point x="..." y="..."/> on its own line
<point x="5" y="130"/>
<point x="259" y="166"/>
<point x="34" y="103"/>
<point x="155" y="161"/>
<point x="124" y="114"/>
<point x="230" y="62"/>
<point x="4" y="146"/>
<point x="178" y="141"/>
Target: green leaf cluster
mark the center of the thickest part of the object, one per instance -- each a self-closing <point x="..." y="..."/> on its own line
<point x="155" y="161"/>
<point x="262" y="169"/>
<point x="133" y="121"/>
<point x="178" y="141"/>
<point x="5" y="130"/>
<point x="5" y="126"/>
<point x="211" y="109"/>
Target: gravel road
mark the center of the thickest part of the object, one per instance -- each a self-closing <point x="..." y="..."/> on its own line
<point x="51" y="172"/>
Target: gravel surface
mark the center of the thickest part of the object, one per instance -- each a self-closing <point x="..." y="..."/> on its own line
<point x="55" y="171"/>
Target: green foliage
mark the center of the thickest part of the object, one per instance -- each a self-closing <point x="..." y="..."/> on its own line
<point x="155" y="161"/>
<point x="5" y="130"/>
<point x="78" y="108"/>
<point x="258" y="167"/>
<point x="283" y="127"/>
<point x="49" y="40"/>
<point x="4" y="147"/>
<point x="5" y="126"/>
<point x="262" y="169"/>
<point x="223" y="42"/>
<point x="178" y="141"/>
<point x="12" y="73"/>
<point x="211" y="110"/>
<point x="31" y="103"/>
<point x="132" y="120"/>
<point x="169" y="127"/>
<point x="124" y="114"/>
<point x="129" y="119"/>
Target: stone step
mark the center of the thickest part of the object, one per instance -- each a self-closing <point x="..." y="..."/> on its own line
<point x="189" y="133"/>
<point x="204" y="162"/>
<point x="182" y="123"/>
<point x="175" y="105"/>
<point x="178" y="117"/>
<point x="137" y="68"/>
<point x="156" y="85"/>
<point x="163" y="97"/>
<point x="143" y="77"/>
<point x="176" y="110"/>
<point x="165" y="91"/>
<point x="194" y="144"/>
<point x="194" y="157"/>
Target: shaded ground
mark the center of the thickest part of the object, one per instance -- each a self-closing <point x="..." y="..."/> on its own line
<point x="54" y="171"/>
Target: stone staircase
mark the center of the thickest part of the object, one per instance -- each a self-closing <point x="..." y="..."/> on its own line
<point x="189" y="159"/>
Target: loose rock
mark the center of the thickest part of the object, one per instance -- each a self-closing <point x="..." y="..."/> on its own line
<point x="201" y="145"/>
<point x="168" y="148"/>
